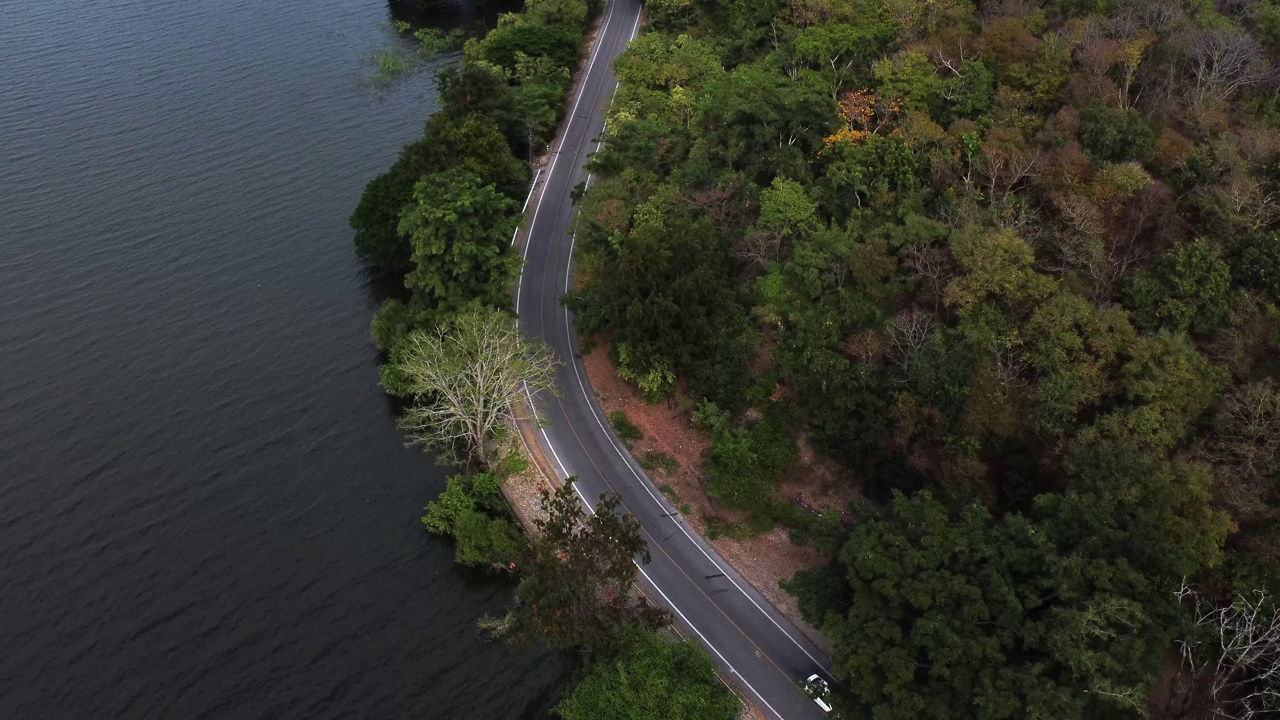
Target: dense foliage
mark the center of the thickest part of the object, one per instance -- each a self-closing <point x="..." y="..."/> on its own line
<point x="473" y="511"/>
<point x="1021" y="255"/>
<point x="579" y="574"/>
<point x="649" y="676"/>
<point x="444" y="213"/>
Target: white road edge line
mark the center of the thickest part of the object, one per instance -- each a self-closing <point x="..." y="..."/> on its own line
<point x="683" y="529"/>
<point x="587" y="504"/>
<point x="532" y="186"/>
<point x="568" y="330"/>
<point x="524" y="256"/>
<point x="627" y="461"/>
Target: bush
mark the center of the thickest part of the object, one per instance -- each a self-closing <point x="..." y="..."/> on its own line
<point x="473" y="512"/>
<point x="627" y="431"/>
<point x="734" y="476"/>
<point x="650" y="676"/>
<point x="774" y="445"/>
<point x="709" y="416"/>
<point x="647" y="371"/>
<point x="483" y="540"/>
<point x="746" y="463"/>
<point x="661" y="462"/>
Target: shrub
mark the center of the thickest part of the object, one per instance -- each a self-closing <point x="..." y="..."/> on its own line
<point x="627" y="430"/>
<point x="472" y="511"/>
<point x="746" y="463"/>
<point x="660" y="461"/>
<point x="734" y="476"/>
<point x="650" y="676"/>
<point x="649" y="372"/>
<point x="483" y="540"/>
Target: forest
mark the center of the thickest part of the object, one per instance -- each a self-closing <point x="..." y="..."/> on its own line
<point x="1014" y="266"/>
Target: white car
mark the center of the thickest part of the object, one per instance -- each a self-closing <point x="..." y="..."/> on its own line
<point x="818" y="690"/>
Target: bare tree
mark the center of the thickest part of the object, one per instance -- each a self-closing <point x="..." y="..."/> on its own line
<point x="1245" y="446"/>
<point x="1101" y="246"/>
<point x="1225" y="60"/>
<point x="1005" y="162"/>
<point x="933" y="264"/>
<point x="469" y="379"/>
<point x="759" y="246"/>
<point x="910" y="331"/>
<point x="1009" y="362"/>
<point x="1248" y="204"/>
<point x="1238" y="664"/>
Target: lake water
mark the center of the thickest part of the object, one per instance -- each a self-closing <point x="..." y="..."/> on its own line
<point x="206" y="510"/>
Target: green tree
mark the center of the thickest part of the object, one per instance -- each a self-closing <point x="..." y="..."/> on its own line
<point x="461" y="233"/>
<point x="911" y="78"/>
<point x="997" y="265"/>
<point x="472" y="141"/>
<point x="669" y="15"/>
<point x="935" y="618"/>
<point x="955" y="614"/>
<point x="649" y="676"/>
<point x="1165" y="386"/>
<point x="661" y="289"/>
<point x="569" y="14"/>
<point x="537" y="104"/>
<point x="466" y="380"/>
<point x="377" y="216"/>
<point x="1188" y="290"/>
<point x="761" y="123"/>
<point x="1075" y="350"/>
<point x="478" y="87"/>
<point x="838" y="51"/>
<point x="578" y="576"/>
<point x="505" y="43"/>
<point x="785" y="208"/>
<point x="657" y="62"/>
<point x="1114" y="135"/>
<point x="878" y="172"/>
<point x="969" y="94"/>
<point x="1116" y="494"/>
<point x="476" y="144"/>
<point x="1256" y="264"/>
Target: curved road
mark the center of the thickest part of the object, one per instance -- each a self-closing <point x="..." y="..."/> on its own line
<point x="761" y="651"/>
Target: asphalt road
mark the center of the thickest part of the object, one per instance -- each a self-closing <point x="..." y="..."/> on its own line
<point x="761" y="651"/>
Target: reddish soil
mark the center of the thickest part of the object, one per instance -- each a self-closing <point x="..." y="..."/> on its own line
<point x="762" y="559"/>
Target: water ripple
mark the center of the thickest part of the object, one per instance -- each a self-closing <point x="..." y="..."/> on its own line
<point x="205" y="508"/>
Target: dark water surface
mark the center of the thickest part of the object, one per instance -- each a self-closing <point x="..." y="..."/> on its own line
<point x="205" y="508"/>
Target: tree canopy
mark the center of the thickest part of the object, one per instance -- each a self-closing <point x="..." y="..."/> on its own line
<point x="1020" y="256"/>
<point x="577" y="587"/>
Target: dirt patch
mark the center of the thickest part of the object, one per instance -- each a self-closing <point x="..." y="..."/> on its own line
<point x="524" y="488"/>
<point x="668" y="431"/>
